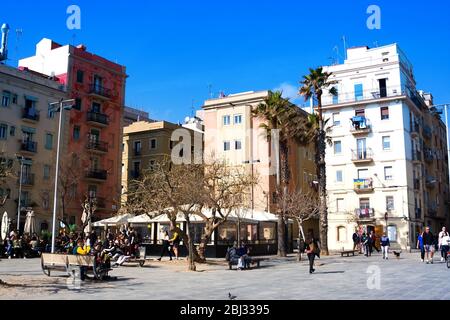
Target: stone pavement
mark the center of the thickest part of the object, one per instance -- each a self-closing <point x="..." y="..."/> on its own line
<point x="335" y="278"/>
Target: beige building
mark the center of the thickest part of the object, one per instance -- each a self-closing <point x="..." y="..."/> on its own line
<point x="28" y="131"/>
<point x="146" y="143"/>
<point x="233" y="134"/>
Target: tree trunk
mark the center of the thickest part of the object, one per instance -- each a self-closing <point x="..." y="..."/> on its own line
<point x="321" y="168"/>
<point x="206" y="236"/>
<point x="191" y="253"/>
<point x="285" y="175"/>
<point x="186" y="241"/>
<point x="300" y="237"/>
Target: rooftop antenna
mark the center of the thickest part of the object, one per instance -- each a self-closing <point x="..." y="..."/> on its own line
<point x="19" y="33"/>
<point x="336" y="48"/>
<point x="345" y="47"/>
<point x="210" y="91"/>
<point x="192" y="108"/>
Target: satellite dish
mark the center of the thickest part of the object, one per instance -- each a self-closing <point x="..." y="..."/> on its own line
<point x="186" y="120"/>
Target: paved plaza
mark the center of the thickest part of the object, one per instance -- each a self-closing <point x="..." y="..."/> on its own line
<point x="335" y="278"/>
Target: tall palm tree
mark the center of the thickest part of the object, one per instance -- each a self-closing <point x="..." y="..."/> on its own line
<point x="280" y="114"/>
<point x="313" y="85"/>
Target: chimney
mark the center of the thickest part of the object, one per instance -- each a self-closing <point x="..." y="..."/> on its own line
<point x="3" y="48"/>
<point x="82" y="47"/>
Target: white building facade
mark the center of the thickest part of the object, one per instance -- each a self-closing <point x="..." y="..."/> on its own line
<point x="375" y="168"/>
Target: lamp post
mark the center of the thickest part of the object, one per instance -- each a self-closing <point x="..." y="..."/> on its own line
<point x="59" y="109"/>
<point x="19" y="205"/>
<point x="386" y="219"/>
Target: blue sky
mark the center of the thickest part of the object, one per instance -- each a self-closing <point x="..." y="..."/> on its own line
<point x="174" y="50"/>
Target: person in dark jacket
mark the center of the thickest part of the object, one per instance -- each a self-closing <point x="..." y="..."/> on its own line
<point x="356" y="241"/>
<point x="312" y="249"/>
<point x="366" y="242"/>
<point x="385" y="246"/>
<point x="428" y="243"/>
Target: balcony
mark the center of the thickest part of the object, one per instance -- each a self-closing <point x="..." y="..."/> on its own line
<point x="99" y="91"/>
<point x="417" y="156"/>
<point x="414" y="129"/>
<point x="30" y="115"/>
<point x="137" y="153"/>
<point x="360" y="125"/>
<point x="416" y="184"/>
<point x="418" y="212"/>
<point x="432" y="210"/>
<point x="363" y="185"/>
<point x="362" y="156"/>
<point x="431" y="182"/>
<point x="428" y="155"/>
<point x="96" y="174"/>
<point x="98" y="119"/>
<point x="27" y="179"/>
<point x="97" y="146"/>
<point x="29" y="147"/>
<point x="427" y="132"/>
<point x="99" y="201"/>
<point x="365" y="213"/>
<point x="362" y="97"/>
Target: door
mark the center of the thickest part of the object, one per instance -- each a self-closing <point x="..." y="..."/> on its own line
<point x="94" y="136"/>
<point x="361" y="148"/>
<point x="383" y="89"/>
<point x="97" y="83"/>
<point x="96" y="108"/>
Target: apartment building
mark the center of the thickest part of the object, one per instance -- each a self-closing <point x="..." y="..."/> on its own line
<point x="387" y="167"/>
<point x="131" y="115"/>
<point x="147" y="143"/>
<point x="232" y="133"/>
<point x="28" y="138"/>
<point x="94" y="132"/>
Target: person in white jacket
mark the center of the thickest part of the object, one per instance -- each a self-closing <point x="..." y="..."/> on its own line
<point x="443" y="234"/>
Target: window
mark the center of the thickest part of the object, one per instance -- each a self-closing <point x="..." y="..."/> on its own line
<point x="382" y="85"/>
<point x="76" y="132"/>
<point x="30" y="104"/>
<point x="336" y="96"/>
<point x="96" y="107"/>
<point x="339" y="204"/>
<point x="390" y="203"/>
<point x="152" y="143"/>
<point x="336" y="119"/>
<point x="48" y="141"/>
<point x="226" y="120"/>
<point x="6" y="98"/>
<point x="360" y="113"/>
<point x="137" y="148"/>
<point x="337" y="147"/>
<point x="226" y="145"/>
<point x="364" y="203"/>
<point x="46" y="171"/>
<point x="14" y="99"/>
<point x="3" y="131"/>
<point x="363" y="174"/>
<point x="237" y="145"/>
<point x="12" y="131"/>
<point x="388" y="173"/>
<point x="341" y="234"/>
<point x="237" y="119"/>
<point x="384" y="113"/>
<point x="339" y="176"/>
<point x="358" y="91"/>
<point x="386" y="143"/>
<point x="77" y="105"/>
<point x="51" y="111"/>
<point x="392" y="233"/>
<point x="45" y="200"/>
<point x="152" y="164"/>
<point x="80" y="76"/>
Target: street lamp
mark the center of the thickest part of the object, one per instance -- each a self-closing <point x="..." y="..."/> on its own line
<point x="59" y="109"/>
<point x="19" y="205"/>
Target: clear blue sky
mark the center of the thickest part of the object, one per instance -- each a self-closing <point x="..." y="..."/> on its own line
<point x="174" y="49"/>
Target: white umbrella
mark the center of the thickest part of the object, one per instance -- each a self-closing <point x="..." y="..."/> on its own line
<point x="114" y="221"/>
<point x="30" y="223"/>
<point x="4" y="231"/>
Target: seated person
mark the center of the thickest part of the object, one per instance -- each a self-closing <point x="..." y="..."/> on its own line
<point x="239" y="254"/>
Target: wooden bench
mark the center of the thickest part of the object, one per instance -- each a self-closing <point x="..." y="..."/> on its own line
<point x="54" y="262"/>
<point x="348" y="253"/>
<point x="256" y="262"/>
<point x="139" y="259"/>
<point x="89" y="263"/>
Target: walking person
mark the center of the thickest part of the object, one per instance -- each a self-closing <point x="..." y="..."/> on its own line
<point x="165" y="246"/>
<point x="312" y="249"/>
<point x="445" y="246"/>
<point x="175" y="240"/>
<point x="356" y="241"/>
<point x="421" y="246"/>
<point x="385" y="246"/>
<point x="365" y="244"/>
<point x="428" y="242"/>
<point x="442" y="234"/>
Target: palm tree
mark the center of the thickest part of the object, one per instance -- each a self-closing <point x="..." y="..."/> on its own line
<point x="281" y="115"/>
<point x="313" y="85"/>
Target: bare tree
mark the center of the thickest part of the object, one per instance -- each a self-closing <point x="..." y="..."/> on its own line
<point x="299" y="206"/>
<point x="6" y="172"/>
<point x="70" y="173"/>
<point x="89" y="207"/>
